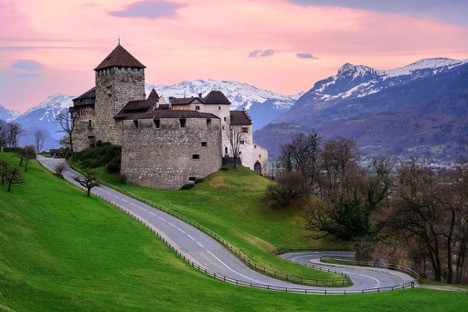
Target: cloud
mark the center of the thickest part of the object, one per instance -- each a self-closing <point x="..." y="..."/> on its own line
<point x="451" y="11"/>
<point x="261" y="53"/>
<point x="150" y="9"/>
<point x="21" y="76"/>
<point x="306" y="56"/>
<point x="27" y="65"/>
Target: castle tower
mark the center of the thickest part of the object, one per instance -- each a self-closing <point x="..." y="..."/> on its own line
<point x="120" y="78"/>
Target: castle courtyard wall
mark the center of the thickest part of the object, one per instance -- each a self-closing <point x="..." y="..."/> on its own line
<point x="163" y="157"/>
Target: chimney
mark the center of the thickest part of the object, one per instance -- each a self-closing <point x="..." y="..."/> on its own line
<point x="199" y="95"/>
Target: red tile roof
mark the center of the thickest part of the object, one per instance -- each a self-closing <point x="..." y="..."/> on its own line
<point x="120" y="57"/>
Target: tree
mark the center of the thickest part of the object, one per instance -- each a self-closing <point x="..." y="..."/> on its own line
<point x="235" y="136"/>
<point x="288" y="187"/>
<point x="39" y="139"/>
<point x="3" y="134"/>
<point x="14" y="177"/>
<point x="88" y="181"/>
<point x="4" y="170"/>
<point x="29" y="153"/>
<point x="67" y="124"/>
<point x="431" y="208"/>
<point x="302" y="155"/>
<point x="13" y="132"/>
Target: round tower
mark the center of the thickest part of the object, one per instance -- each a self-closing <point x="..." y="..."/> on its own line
<point x="120" y="78"/>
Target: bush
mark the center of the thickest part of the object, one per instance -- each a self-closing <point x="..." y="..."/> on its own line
<point x="123" y="179"/>
<point x="224" y="168"/>
<point x="59" y="170"/>
<point x="187" y="186"/>
<point x="288" y="189"/>
<point x="199" y="180"/>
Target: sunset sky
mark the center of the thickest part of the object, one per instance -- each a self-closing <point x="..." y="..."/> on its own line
<point x="52" y="46"/>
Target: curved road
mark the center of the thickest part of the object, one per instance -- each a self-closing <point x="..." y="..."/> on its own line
<point x="204" y="251"/>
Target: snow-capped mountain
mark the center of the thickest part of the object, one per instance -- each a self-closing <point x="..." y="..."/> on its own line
<point x="43" y="116"/>
<point x="419" y="107"/>
<point x="7" y="114"/>
<point x="264" y="106"/>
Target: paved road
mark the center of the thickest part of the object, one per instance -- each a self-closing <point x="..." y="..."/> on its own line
<point x="206" y="252"/>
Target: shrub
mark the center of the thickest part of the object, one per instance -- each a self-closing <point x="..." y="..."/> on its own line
<point x="289" y="188"/>
<point x="187" y="186"/>
<point x="59" y="170"/>
<point x="123" y="179"/>
<point x="199" y="180"/>
<point x="224" y="168"/>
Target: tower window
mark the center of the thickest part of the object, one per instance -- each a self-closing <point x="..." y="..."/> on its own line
<point x="195" y="156"/>
<point x="225" y="150"/>
<point x="182" y="123"/>
<point x="89" y="123"/>
<point x="197" y="107"/>
<point x="224" y="118"/>
<point x="157" y="123"/>
<point x="192" y="179"/>
<point x="208" y="122"/>
<point x="245" y="130"/>
<point x="204" y="144"/>
<point x="135" y="123"/>
<point x="219" y="107"/>
<point x="242" y="142"/>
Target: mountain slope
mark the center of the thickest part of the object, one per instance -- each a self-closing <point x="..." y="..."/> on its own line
<point x="417" y="109"/>
<point x="7" y="114"/>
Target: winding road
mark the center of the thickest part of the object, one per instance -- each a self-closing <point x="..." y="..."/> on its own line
<point x="202" y="250"/>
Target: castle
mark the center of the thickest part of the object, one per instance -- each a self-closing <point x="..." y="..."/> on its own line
<point x="165" y="143"/>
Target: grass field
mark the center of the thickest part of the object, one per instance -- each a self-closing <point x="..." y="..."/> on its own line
<point x="62" y="251"/>
<point x="229" y="203"/>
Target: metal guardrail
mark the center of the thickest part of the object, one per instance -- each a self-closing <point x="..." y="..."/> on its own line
<point x="285" y="249"/>
<point x="240" y="282"/>
<point x="249" y="284"/>
<point x="236" y="251"/>
<point x="388" y="266"/>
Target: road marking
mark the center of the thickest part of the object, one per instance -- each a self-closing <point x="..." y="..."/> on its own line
<point x="142" y="208"/>
<point x="107" y="192"/>
<point x="133" y="204"/>
<point x="171" y="224"/>
<point x="116" y="196"/>
<point x="201" y="245"/>
<point x="181" y="230"/>
<point x="191" y="237"/>
<point x="378" y="282"/>
<point x="125" y="200"/>
<point x="152" y="213"/>
<point x="162" y="219"/>
<point x="232" y="269"/>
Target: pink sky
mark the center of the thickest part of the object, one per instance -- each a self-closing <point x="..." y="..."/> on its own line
<point x="52" y="46"/>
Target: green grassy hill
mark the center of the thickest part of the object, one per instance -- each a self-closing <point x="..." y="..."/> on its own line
<point x="229" y="203"/>
<point x="62" y="251"/>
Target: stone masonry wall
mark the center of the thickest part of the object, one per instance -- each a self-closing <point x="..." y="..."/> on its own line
<point x="115" y="87"/>
<point x="163" y="157"/>
<point x="83" y="134"/>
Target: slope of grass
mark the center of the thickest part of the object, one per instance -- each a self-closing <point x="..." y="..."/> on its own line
<point x="62" y="251"/>
<point x="229" y="203"/>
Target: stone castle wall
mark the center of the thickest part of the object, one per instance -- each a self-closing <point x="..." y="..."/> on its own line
<point x="165" y="157"/>
<point x="115" y="87"/>
<point x="84" y="120"/>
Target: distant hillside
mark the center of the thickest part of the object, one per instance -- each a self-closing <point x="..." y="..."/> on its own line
<point x="420" y="109"/>
<point x="7" y="114"/>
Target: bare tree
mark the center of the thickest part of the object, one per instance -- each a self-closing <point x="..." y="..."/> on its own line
<point x="39" y="139"/>
<point x="14" y="177"/>
<point x="29" y="153"/>
<point x="235" y="136"/>
<point x="4" y="170"/>
<point x="14" y="131"/>
<point x="88" y="181"/>
<point x="3" y="134"/>
<point x="431" y="208"/>
<point x="67" y="124"/>
<point x="302" y="154"/>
